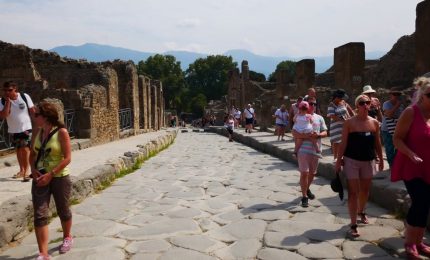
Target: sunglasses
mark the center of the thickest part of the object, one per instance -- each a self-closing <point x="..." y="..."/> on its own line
<point x="362" y="103"/>
<point x="312" y="104"/>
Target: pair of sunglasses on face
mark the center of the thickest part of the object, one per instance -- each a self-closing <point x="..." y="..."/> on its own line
<point x="362" y="103"/>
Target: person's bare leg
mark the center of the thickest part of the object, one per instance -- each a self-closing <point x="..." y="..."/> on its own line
<point x="304" y="183"/>
<point x="23" y="155"/>
<point x="42" y="236"/>
<point x="353" y="190"/>
<point x="363" y="195"/>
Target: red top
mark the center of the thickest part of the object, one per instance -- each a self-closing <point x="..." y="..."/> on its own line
<point x="418" y="140"/>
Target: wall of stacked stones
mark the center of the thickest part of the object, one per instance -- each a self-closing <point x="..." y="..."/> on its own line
<point x="95" y="91"/>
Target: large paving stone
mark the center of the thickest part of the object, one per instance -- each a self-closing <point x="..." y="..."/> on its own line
<point x="199" y="243"/>
<point x="233" y="215"/>
<point x="242" y="229"/>
<point x="215" y="205"/>
<point x="320" y="251"/>
<point x="372" y="233"/>
<point x="361" y="250"/>
<point x="284" y="197"/>
<point x="144" y="219"/>
<point x="146" y="256"/>
<point x="258" y="204"/>
<point x="98" y="228"/>
<point x="94" y="254"/>
<point x="284" y="240"/>
<point x="192" y="194"/>
<point x="180" y="253"/>
<point x="148" y="246"/>
<point x="271" y="215"/>
<point x="314" y="217"/>
<point x="241" y="249"/>
<point x="183" y="212"/>
<point x="277" y="254"/>
<point x="162" y="229"/>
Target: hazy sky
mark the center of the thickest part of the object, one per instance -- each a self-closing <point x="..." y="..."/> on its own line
<point x="267" y="27"/>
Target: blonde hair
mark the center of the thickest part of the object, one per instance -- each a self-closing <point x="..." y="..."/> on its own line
<point x="421" y="84"/>
<point x="357" y="99"/>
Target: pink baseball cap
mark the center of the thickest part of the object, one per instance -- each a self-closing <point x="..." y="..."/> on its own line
<point x="304" y="104"/>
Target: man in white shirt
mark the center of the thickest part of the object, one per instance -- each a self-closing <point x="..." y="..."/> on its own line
<point x="281" y="116"/>
<point x="249" y="115"/>
<point x="16" y="108"/>
<point x="237" y="116"/>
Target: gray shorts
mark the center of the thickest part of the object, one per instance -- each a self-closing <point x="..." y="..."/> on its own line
<point x="355" y="169"/>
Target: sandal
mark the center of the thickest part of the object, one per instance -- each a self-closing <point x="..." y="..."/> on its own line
<point x="26" y="179"/>
<point x="411" y="251"/>
<point x="364" y="219"/>
<point x="423" y="249"/>
<point x="18" y="175"/>
<point x="353" y="232"/>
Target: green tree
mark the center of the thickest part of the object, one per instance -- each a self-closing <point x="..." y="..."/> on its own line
<point x="208" y="76"/>
<point x="288" y="65"/>
<point x="166" y="69"/>
<point x="256" y="76"/>
<point x="198" y="104"/>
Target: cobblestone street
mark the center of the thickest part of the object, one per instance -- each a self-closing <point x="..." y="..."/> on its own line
<point x="207" y="198"/>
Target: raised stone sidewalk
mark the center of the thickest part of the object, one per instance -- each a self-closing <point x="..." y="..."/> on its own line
<point x="91" y="168"/>
<point x="389" y="195"/>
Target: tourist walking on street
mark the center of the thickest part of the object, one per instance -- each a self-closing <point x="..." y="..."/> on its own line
<point x="412" y="165"/>
<point x="281" y="121"/>
<point x="50" y="155"/>
<point x="303" y="124"/>
<point x="392" y="110"/>
<point x="237" y="116"/>
<point x="360" y="140"/>
<point x="338" y="112"/>
<point x="375" y="105"/>
<point x="229" y="125"/>
<point x="18" y="108"/>
<point x="294" y="110"/>
<point x="249" y="115"/>
<point x="307" y="156"/>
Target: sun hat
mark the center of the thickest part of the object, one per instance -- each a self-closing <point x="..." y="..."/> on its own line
<point x="303" y="104"/>
<point x="340" y="93"/>
<point x="368" y="89"/>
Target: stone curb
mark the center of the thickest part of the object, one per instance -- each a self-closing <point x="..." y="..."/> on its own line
<point x="389" y="195"/>
<point x="17" y="213"/>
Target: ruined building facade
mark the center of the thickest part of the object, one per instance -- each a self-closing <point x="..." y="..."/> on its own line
<point x="102" y="101"/>
<point x="409" y="58"/>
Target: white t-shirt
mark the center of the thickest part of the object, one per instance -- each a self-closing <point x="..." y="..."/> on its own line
<point x="248" y="112"/>
<point x="283" y="120"/>
<point x="18" y="120"/>
<point x="237" y="114"/>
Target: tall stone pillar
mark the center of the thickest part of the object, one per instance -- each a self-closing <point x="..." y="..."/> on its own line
<point x="160" y="104"/>
<point x="154" y="104"/>
<point x="305" y="74"/>
<point x="245" y="83"/>
<point x="149" y="102"/>
<point x="143" y="103"/>
<point x="234" y="95"/>
<point x="282" y="83"/>
<point x="422" y="38"/>
<point x="349" y="67"/>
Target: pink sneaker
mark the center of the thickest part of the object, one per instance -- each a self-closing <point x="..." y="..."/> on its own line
<point x="42" y="257"/>
<point x="67" y="245"/>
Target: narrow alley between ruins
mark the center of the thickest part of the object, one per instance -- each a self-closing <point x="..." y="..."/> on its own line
<point x="207" y="198"/>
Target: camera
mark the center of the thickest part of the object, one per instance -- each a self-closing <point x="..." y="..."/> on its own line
<point x="42" y="171"/>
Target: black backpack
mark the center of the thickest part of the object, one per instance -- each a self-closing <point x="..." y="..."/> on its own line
<point x="3" y="101"/>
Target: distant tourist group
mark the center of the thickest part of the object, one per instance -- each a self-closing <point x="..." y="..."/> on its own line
<point x="401" y="124"/>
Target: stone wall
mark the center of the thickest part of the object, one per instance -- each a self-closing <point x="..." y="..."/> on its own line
<point x="422" y="29"/>
<point x="305" y="73"/>
<point x="88" y="88"/>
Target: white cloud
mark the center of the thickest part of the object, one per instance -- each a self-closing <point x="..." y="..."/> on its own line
<point x="188" y="23"/>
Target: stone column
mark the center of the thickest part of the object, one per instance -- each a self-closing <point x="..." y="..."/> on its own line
<point x="149" y="102"/>
<point x="422" y="38"/>
<point x="244" y="83"/>
<point x="154" y="105"/>
<point x="305" y="74"/>
<point x="143" y="103"/>
<point x="349" y="67"/>
<point x="234" y="95"/>
<point x="282" y="83"/>
<point x="160" y="104"/>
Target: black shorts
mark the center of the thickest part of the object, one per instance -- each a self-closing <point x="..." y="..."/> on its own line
<point x="22" y="139"/>
<point x="249" y="121"/>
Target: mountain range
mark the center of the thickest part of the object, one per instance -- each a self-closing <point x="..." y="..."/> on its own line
<point x="263" y="64"/>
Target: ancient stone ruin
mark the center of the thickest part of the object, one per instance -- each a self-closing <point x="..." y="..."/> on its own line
<point x="408" y="58"/>
<point x="102" y="101"/>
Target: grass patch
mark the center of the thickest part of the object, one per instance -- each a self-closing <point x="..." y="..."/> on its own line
<point x="56" y="240"/>
<point x="74" y="201"/>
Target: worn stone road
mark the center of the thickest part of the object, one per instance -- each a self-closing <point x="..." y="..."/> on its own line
<point x="206" y="198"/>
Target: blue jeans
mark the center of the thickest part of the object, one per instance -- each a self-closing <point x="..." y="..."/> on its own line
<point x="390" y="150"/>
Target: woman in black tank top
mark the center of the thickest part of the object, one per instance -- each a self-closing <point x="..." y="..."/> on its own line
<point x="360" y="145"/>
